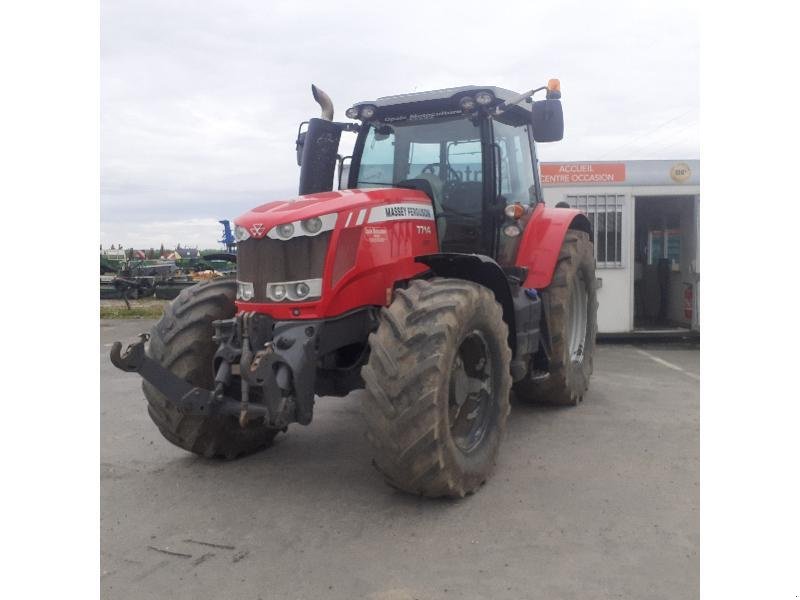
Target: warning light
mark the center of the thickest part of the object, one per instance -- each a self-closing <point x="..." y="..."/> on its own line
<point x="514" y="211"/>
<point x="553" y="89"/>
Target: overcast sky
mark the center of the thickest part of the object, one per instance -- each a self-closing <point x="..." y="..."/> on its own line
<point x="201" y="100"/>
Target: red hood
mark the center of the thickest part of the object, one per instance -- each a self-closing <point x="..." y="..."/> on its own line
<point x="268" y="215"/>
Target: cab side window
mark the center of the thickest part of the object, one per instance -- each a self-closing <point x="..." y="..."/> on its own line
<point x="516" y="164"/>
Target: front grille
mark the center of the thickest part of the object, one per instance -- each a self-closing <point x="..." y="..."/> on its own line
<point x="266" y="260"/>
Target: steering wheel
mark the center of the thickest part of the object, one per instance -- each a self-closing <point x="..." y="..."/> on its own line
<point x="450" y="171"/>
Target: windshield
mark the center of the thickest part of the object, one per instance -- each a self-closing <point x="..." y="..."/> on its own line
<point x="446" y="156"/>
<point x="447" y="150"/>
<point x="446" y="159"/>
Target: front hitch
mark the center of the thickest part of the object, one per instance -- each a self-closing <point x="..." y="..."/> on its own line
<point x="182" y="395"/>
<point x="131" y="360"/>
<point x="271" y="364"/>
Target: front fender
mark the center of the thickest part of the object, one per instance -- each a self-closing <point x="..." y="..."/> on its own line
<point x="542" y="239"/>
<point x="480" y="269"/>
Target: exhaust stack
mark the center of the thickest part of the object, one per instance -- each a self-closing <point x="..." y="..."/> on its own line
<point x="324" y="102"/>
<point x="319" y="145"/>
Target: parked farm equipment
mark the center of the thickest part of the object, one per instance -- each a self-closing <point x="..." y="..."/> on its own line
<point x="436" y="291"/>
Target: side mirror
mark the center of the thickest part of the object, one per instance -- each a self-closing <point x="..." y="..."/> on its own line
<point x="300" y="142"/>
<point x="547" y="119"/>
<point x="344" y="170"/>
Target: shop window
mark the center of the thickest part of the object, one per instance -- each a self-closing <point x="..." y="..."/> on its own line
<point x="605" y="213"/>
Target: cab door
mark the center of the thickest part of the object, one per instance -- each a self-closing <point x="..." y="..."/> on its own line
<point x="514" y="180"/>
<point x="464" y="229"/>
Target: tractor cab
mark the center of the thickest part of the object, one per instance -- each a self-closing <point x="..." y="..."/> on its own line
<point x="470" y="149"/>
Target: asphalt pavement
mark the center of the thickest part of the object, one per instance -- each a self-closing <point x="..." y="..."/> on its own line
<point x="593" y="502"/>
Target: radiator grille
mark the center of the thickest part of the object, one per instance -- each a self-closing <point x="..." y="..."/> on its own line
<point x="266" y="260"/>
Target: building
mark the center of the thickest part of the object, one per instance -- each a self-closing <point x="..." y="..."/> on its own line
<point x="187" y="253"/>
<point x="646" y="218"/>
<point x="113" y="254"/>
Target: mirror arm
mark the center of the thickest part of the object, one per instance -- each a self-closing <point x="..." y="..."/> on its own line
<point x="301" y="136"/>
<point x="517" y="99"/>
<point x="300" y="142"/>
<point x="340" y="160"/>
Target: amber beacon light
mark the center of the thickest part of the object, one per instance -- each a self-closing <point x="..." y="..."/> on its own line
<point x="553" y="89"/>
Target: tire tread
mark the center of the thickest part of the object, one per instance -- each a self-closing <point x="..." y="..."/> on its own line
<point x="181" y="342"/>
<point x="406" y="425"/>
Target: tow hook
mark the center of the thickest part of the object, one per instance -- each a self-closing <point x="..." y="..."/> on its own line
<point x="132" y="358"/>
<point x="260" y="371"/>
<point x="182" y="395"/>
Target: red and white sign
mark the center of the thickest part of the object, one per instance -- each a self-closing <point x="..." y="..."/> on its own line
<point x="376" y="235"/>
<point x="582" y="173"/>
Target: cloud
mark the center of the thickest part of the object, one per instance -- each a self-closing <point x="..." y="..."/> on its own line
<point x="188" y="233"/>
<point x="200" y="101"/>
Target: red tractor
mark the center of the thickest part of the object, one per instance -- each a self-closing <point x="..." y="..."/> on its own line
<point x="437" y="279"/>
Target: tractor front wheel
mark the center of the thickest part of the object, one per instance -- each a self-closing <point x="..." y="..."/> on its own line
<point x="570" y="305"/>
<point x="438" y="383"/>
<point x="181" y="342"/>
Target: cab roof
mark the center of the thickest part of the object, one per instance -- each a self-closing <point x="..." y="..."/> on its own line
<point x="438" y="96"/>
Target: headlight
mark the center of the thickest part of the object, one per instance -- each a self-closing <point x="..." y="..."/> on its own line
<point x="309" y="226"/>
<point x="511" y="231"/>
<point x="367" y="112"/>
<point x="295" y="291"/>
<point x="484" y="98"/>
<point x="351" y="113"/>
<point x="276" y="292"/>
<point x="286" y="230"/>
<point x="302" y="289"/>
<point x="312" y="225"/>
<point x="467" y="103"/>
<point x="244" y="290"/>
<point x="240" y="233"/>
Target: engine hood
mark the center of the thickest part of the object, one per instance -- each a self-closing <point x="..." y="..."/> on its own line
<point x="262" y="219"/>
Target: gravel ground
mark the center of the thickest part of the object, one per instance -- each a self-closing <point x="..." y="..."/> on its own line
<point x="599" y="501"/>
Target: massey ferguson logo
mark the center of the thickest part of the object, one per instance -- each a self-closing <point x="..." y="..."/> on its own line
<point x="257" y="229"/>
<point x="399" y="210"/>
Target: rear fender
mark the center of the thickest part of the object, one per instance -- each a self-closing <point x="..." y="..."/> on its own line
<point x="542" y="239"/>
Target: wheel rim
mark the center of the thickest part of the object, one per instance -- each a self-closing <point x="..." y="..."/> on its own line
<point x="579" y="311"/>
<point x="470" y="392"/>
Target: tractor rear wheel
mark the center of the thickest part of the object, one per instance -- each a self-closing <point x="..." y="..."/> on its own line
<point x="438" y="383"/>
<point x="181" y="342"/>
<point x="570" y="306"/>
